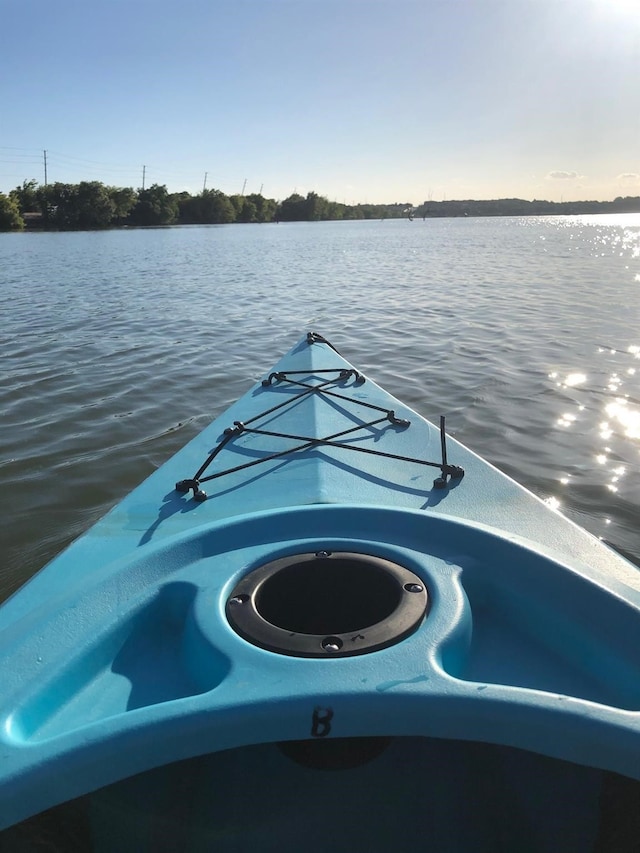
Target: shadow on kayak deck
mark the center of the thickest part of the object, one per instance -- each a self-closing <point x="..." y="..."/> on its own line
<point x="355" y="795"/>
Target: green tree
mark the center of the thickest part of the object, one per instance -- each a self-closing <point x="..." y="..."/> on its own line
<point x="265" y="208"/>
<point x="211" y="207"/>
<point x="217" y="207"/>
<point x="26" y="196"/>
<point x="123" y="200"/>
<point x="91" y="206"/>
<point x="237" y="202"/>
<point x="10" y="217"/>
<point x="55" y="203"/>
<point x="292" y="209"/>
<point x="316" y="207"/>
<point x="311" y="209"/>
<point x="154" y="207"/>
<point x="187" y="209"/>
<point x="335" y="210"/>
<point x="86" y="205"/>
<point x="183" y="200"/>
<point x="249" y="211"/>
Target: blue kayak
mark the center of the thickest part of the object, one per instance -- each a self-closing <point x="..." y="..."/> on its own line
<point x="324" y="625"/>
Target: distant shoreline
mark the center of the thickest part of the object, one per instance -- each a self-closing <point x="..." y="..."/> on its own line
<point x="35" y="225"/>
<point x="35" y="222"/>
<point x="91" y="205"/>
<point x="521" y="207"/>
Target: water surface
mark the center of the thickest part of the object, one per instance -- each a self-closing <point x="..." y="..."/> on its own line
<point x="118" y="346"/>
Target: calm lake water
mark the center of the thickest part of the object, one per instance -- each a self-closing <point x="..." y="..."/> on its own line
<point x="117" y="347"/>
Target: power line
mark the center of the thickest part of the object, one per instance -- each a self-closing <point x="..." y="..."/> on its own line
<point x="70" y="167"/>
<point x="91" y="162"/>
<point x="30" y="158"/>
<point x="13" y="148"/>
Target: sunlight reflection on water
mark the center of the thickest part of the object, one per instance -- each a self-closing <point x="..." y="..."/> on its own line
<point x="627" y="416"/>
<point x="607" y="410"/>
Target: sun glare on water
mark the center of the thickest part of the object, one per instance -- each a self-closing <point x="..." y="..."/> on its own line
<point x="574" y="379"/>
<point x="628" y="417"/>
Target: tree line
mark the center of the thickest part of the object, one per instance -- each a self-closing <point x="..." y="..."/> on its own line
<point x="522" y="207"/>
<point x="93" y="205"/>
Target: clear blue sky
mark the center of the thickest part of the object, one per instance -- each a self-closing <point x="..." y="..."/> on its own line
<point x="358" y="100"/>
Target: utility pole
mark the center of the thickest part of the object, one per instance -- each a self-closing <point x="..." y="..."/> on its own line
<point x="144" y="169"/>
<point x="45" y="167"/>
<point x="261" y="185"/>
<point x="243" y="186"/>
<point x="204" y="186"/>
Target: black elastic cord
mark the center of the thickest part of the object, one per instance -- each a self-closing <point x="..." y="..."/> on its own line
<point x="306" y="442"/>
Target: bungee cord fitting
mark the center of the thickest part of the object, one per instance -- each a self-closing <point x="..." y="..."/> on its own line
<point x="327" y="385"/>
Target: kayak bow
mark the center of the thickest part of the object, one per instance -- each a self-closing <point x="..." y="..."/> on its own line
<point x="312" y="584"/>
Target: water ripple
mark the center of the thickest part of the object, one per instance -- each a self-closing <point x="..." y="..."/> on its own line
<point x="117" y="347"/>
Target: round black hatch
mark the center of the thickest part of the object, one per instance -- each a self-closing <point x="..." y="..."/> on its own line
<point x="327" y="604"/>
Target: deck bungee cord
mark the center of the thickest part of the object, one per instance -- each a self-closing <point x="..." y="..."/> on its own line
<point x="326" y="388"/>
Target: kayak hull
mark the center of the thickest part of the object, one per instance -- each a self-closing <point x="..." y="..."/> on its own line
<point x="123" y="655"/>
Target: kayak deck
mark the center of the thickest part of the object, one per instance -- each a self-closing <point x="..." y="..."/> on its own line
<point x="120" y="656"/>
